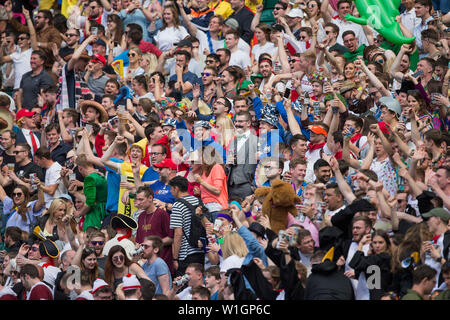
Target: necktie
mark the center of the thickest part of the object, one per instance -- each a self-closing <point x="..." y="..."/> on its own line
<point x="33" y="142"/>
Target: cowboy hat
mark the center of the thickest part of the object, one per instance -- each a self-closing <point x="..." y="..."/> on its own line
<point x="91" y="103"/>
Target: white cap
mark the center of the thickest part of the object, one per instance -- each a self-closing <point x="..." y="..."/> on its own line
<point x="99" y="283"/>
<point x="296" y="13"/>
<point x="130" y="281"/>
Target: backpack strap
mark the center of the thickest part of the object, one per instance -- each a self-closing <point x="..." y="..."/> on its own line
<point x="191" y="208"/>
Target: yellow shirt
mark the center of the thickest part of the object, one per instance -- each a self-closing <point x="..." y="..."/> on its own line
<point x="125" y="169"/>
<point x="222" y="7"/>
<point x="251" y="4"/>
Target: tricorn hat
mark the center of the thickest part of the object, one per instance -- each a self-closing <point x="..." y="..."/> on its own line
<point x="123" y="221"/>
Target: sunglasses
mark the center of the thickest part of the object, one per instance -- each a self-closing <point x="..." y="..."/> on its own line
<point x="22" y="38"/>
<point x="206" y="74"/>
<point x="294" y="60"/>
<point x="19" y="194"/>
<point x="278" y="8"/>
<point x="70" y="34"/>
<point x="34" y="249"/>
<point x="18" y="151"/>
<point x="132" y="54"/>
<point x="118" y="258"/>
<point x="145" y="246"/>
<point x="302" y="38"/>
<point x="209" y="61"/>
<point x="97" y="243"/>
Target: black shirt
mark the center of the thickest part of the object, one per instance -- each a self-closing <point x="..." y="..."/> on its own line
<point x="59" y="154"/>
<point x="32" y="85"/>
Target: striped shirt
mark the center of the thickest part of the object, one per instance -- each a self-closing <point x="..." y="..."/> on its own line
<point x="181" y="218"/>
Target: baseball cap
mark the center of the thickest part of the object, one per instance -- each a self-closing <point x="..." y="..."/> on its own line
<point x="100" y="42"/>
<point x="24" y="113"/>
<point x="392" y="104"/>
<point x="295" y="13"/>
<point x="439" y="213"/>
<point x="202" y="124"/>
<point x="166" y="163"/>
<point x="184" y="43"/>
<point x="98" y="58"/>
<point x="232" y="23"/>
<point x="319" y="130"/>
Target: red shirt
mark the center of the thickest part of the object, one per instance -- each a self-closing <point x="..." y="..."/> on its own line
<point x="40" y="292"/>
<point x="156" y="224"/>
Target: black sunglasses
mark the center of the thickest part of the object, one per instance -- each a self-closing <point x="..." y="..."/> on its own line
<point x="18" y="194"/>
<point x="132" y="54"/>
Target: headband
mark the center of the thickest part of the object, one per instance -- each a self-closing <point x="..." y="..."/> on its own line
<point x="236" y="203"/>
<point x="225" y="216"/>
<point x="266" y="60"/>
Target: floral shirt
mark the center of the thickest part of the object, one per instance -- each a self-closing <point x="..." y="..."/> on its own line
<point x="386" y="173"/>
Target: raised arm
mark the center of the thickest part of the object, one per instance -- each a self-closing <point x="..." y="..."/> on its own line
<point x="257" y="17"/>
<point x="79" y="51"/>
<point x="372" y="78"/>
<point x="33" y="38"/>
<point x="344" y="188"/>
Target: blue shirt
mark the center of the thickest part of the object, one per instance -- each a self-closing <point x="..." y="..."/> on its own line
<point x="155" y="270"/>
<point x="113" y="187"/>
<point x="162" y="192"/>
<point x="150" y="175"/>
<point x="14" y="219"/>
<point x="187" y="77"/>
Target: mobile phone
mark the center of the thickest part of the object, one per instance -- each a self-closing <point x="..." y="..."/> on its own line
<point x="69" y="164"/>
<point x="94" y="31"/>
<point x="204" y="243"/>
<point x="287" y="93"/>
<point x="88" y="127"/>
<point x="418" y="74"/>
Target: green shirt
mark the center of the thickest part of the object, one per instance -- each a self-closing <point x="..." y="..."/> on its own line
<point x="95" y="190"/>
<point x="412" y="295"/>
<point x="351" y="56"/>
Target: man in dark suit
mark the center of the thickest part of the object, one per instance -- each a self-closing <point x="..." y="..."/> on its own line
<point x="25" y="130"/>
<point x="241" y="158"/>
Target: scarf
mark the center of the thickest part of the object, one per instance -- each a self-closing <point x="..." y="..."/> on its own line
<point x="355" y="137"/>
<point x="125" y="236"/>
<point x="315" y="146"/>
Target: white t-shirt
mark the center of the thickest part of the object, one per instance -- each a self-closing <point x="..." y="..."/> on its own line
<point x="348" y="25"/>
<point x="169" y="36"/>
<point x="241" y="59"/>
<point x="267" y="48"/>
<point x="22" y="65"/>
<point x="231" y="262"/>
<point x="204" y="44"/>
<point x="53" y="176"/>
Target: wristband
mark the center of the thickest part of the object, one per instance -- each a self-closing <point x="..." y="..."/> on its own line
<point x="248" y="214"/>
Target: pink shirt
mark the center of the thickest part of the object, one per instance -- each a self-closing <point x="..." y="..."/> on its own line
<point x="218" y="179"/>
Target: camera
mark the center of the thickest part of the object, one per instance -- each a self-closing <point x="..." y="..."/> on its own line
<point x="183" y="280"/>
<point x="138" y="251"/>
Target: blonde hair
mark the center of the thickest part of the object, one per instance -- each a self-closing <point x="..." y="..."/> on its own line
<point x="233" y="244"/>
<point x="153" y="62"/>
<point x="227" y="130"/>
<point x="54" y="206"/>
